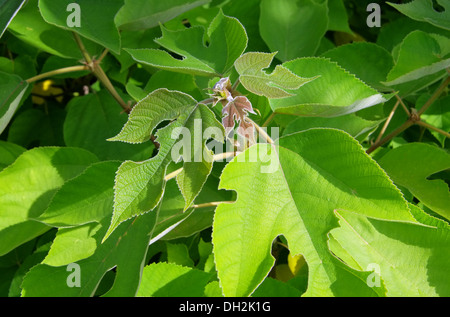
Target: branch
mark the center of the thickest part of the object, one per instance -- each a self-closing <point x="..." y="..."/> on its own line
<point x="393" y="134"/>
<point x="431" y="127"/>
<point x="388" y="120"/>
<point x="58" y="72"/>
<point x="434" y="96"/>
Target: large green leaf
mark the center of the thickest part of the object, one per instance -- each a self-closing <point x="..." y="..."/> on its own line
<point x="227" y="40"/>
<point x="12" y="89"/>
<point x="334" y="93"/>
<point x="31" y="28"/>
<point x="99" y="28"/>
<point x="144" y="14"/>
<point x="134" y="234"/>
<point x="402" y="166"/>
<point x="292" y="189"/>
<point x="171" y="280"/>
<point x="92" y="119"/>
<point x="250" y="68"/>
<point x="422" y="10"/>
<point x="412" y="258"/>
<point x="368" y="61"/>
<point x="84" y="199"/>
<point x="28" y="185"/>
<point x="140" y="185"/>
<point x="8" y="10"/>
<point x="285" y="26"/>
<point x="9" y="152"/>
<point x="420" y="54"/>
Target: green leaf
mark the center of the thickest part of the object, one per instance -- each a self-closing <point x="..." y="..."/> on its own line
<point x="12" y="89"/>
<point x="402" y="163"/>
<point x="422" y="10"/>
<point x="9" y="152"/>
<point x="85" y="198"/>
<point x="351" y="123"/>
<point x="99" y="28"/>
<point x="140" y="186"/>
<point x="368" y="61"/>
<point x="438" y="115"/>
<point x="140" y="15"/>
<point x="285" y="26"/>
<point x="72" y="244"/>
<point x="167" y="279"/>
<point x="275" y="288"/>
<point x="8" y="10"/>
<point x="28" y="185"/>
<point x="412" y="258"/>
<point x="44" y="280"/>
<point x="337" y="16"/>
<point x="38" y="127"/>
<point x="92" y="119"/>
<point x="31" y="28"/>
<point x="251" y="75"/>
<point x="420" y="54"/>
<point x="334" y="93"/>
<point x="227" y="41"/>
<point x="292" y="190"/>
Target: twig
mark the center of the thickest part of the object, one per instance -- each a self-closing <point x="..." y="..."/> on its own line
<point x="434" y="96"/>
<point x="403" y="105"/>
<point x="391" y="135"/>
<point x="212" y="204"/>
<point x="269" y="119"/>
<point x="261" y="132"/>
<point x="388" y="120"/>
<point x="431" y="127"/>
<point x="58" y="72"/>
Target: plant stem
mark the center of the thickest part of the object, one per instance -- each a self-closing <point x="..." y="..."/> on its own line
<point x="431" y="127"/>
<point x="235" y="85"/>
<point x="217" y="157"/>
<point x="403" y="105"/>
<point x="83" y="50"/>
<point x="434" y="96"/>
<point x="388" y="120"/>
<point x="58" y="72"/>
<point x="390" y="136"/>
<point x="100" y="74"/>
<point x="261" y="132"/>
<point x="269" y="119"/>
<point x="212" y="204"/>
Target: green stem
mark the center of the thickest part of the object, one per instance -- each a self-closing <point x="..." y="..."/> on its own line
<point x="261" y="132"/>
<point x="435" y="95"/>
<point x="390" y="136"/>
<point x="100" y="74"/>
<point x="58" y="72"/>
<point x="269" y="119"/>
<point x="212" y="204"/>
<point x="429" y="126"/>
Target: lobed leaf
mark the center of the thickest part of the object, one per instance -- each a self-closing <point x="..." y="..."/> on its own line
<point x="144" y="14"/>
<point x="334" y="92"/>
<point x="227" y="40"/>
<point x="250" y="68"/>
<point x="139" y="186"/>
<point x="423" y="10"/>
<point x="292" y="189"/>
<point x="412" y="258"/>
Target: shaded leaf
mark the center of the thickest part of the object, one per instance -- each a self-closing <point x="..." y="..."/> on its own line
<point x="8" y="10"/>
<point x="402" y="163"/>
<point x="422" y="10"/>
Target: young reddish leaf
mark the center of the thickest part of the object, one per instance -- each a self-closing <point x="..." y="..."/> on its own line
<point x="238" y="109"/>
